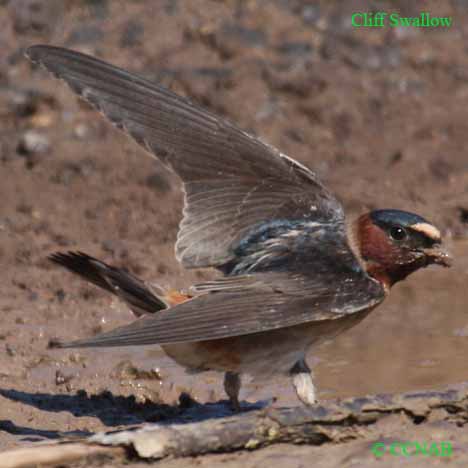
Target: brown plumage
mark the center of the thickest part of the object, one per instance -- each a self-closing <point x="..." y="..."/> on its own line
<point x="295" y="272"/>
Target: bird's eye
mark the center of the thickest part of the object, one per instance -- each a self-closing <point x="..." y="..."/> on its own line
<point x="398" y="233"/>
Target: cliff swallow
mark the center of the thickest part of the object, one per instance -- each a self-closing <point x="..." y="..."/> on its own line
<point x="294" y="270"/>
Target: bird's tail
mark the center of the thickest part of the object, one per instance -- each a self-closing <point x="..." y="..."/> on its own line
<point x="139" y="296"/>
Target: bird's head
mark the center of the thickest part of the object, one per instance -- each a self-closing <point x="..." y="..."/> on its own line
<point x="394" y="244"/>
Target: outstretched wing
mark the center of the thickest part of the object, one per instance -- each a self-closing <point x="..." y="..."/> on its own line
<point x="325" y="282"/>
<point x="249" y="210"/>
<point x="277" y="303"/>
<point x="233" y="182"/>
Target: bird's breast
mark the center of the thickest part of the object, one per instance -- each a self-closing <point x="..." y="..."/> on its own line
<point x="261" y="354"/>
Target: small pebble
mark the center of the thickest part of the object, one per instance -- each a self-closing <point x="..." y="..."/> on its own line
<point x="10" y="350"/>
<point x="81" y="131"/>
<point x="61" y="378"/>
<point x="33" y="144"/>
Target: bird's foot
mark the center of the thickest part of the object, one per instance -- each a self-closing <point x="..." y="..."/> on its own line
<point x="232" y="384"/>
<point x="302" y="382"/>
<point x="305" y="389"/>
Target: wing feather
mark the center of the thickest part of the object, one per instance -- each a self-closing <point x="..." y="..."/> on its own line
<point x="251" y="309"/>
<point x="229" y="176"/>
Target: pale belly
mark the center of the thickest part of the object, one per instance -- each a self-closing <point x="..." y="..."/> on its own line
<point x="261" y="354"/>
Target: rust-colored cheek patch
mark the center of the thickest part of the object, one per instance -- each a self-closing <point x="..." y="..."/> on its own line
<point x="375" y="245"/>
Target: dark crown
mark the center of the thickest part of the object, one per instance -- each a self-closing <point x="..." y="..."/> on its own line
<point x="396" y="217"/>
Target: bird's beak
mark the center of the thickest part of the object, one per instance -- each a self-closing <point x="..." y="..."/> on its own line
<point x="438" y="256"/>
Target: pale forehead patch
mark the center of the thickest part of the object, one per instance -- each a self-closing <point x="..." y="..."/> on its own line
<point x="427" y="229"/>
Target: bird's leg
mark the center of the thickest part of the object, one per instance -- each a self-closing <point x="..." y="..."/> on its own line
<point x="232" y="385"/>
<point x="302" y="381"/>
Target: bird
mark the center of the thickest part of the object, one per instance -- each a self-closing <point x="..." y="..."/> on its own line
<point x="293" y="269"/>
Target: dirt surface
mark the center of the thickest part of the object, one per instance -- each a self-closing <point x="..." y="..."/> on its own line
<point x="380" y="114"/>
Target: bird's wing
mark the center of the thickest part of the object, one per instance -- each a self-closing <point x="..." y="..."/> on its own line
<point x="233" y="182"/>
<point x="299" y="293"/>
<point x="253" y="310"/>
<point x="129" y="288"/>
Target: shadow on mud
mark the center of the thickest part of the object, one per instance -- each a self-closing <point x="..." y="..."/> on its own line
<point x="114" y="411"/>
<point x="35" y="435"/>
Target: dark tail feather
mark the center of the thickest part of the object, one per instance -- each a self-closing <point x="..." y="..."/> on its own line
<point x="114" y="280"/>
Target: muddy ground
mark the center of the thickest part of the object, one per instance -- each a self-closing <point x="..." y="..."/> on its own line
<point x="380" y="114"/>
